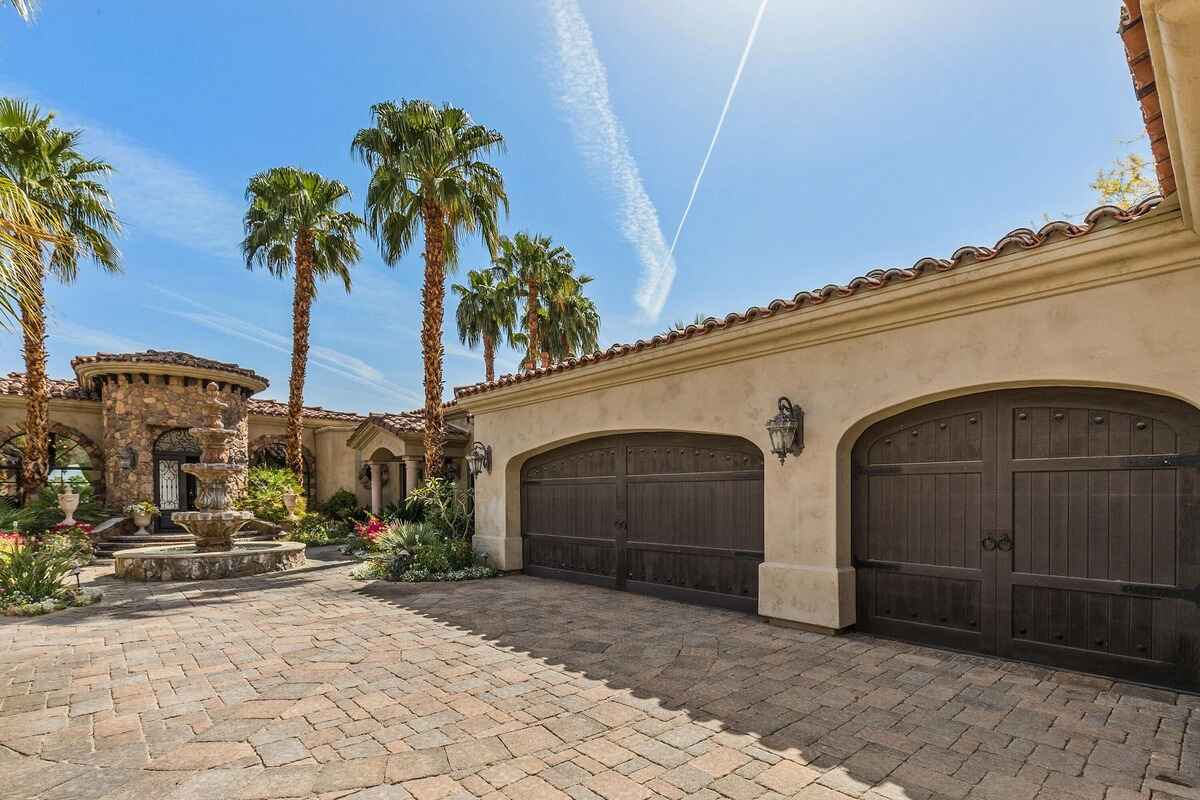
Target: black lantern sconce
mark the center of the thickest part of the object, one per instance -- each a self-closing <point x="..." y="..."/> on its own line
<point x="479" y="460"/>
<point x="786" y="430"/>
<point x="127" y="459"/>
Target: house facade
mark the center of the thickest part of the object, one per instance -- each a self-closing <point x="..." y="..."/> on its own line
<point x="122" y="423"/>
<point x="1000" y="449"/>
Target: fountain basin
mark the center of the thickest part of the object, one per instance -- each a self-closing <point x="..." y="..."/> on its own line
<point x="186" y="563"/>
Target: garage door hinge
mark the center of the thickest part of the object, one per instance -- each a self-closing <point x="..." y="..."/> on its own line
<point x="1169" y="592"/>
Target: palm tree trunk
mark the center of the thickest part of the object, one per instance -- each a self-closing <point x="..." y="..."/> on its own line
<point x="489" y="358"/>
<point x="531" y="324"/>
<point x="35" y="461"/>
<point x="433" y="304"/>
<point x="301" y="319"/>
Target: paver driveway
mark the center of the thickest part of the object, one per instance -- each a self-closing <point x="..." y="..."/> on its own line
<point x="312" y="685"/>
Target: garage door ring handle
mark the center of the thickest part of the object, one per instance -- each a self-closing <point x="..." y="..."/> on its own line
<point x="988" y="543"/>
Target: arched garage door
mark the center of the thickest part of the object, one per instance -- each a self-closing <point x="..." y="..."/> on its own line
<point x="1053" y="525"/>
<point x="671" y="514"/>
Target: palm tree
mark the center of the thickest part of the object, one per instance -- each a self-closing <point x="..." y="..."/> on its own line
<point x="487" y="312"/>
<point x="429" y="174"/>
<point x="573" y="325"/>
<point x="539" y="266"/>
<point x="43" y="163"/>
<point x="293" y="226"/>
<point x="23" y="224"/>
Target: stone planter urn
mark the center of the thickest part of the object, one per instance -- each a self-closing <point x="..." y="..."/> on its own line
<point x="141" y="520"/>
<point x="289" y="502"/>
<point x="67" y="503"/>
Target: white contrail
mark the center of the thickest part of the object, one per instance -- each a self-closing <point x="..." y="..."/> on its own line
<point x="602" y="139"/>
<point x="737" y="76"/>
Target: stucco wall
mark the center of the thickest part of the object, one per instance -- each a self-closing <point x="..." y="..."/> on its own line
<point x="337" y="463"/>
<point x="1070" y="317"/>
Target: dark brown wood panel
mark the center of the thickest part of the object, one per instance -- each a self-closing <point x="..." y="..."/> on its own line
<point x="677" y="515"/>
<point x="1079" y="514"/>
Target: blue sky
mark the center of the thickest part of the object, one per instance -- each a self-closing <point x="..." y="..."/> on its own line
<point x="862" y="135"/>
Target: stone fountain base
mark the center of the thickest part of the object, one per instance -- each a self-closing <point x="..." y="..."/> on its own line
<point x="186" y="563"/>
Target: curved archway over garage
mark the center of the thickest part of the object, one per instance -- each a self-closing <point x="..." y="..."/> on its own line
<point x="1055" y="525"/>
<point x="678" y="515"/>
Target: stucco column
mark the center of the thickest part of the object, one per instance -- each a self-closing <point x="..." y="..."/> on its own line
<point x="412" y="468"/>
<point x="376" y="487"/>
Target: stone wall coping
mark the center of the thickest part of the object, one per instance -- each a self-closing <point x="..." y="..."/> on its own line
<point x="240" y="549"/>
<point x="86" y="372"/>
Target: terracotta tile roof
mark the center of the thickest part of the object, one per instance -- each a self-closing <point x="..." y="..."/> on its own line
<point x="405" y="422"/>
<point x="1018" y="240"/>
<point x="166" y="357"/>
<point x="1137" y="53"/>
<point x="274" y="408"/>
<point x="60" y="388"/>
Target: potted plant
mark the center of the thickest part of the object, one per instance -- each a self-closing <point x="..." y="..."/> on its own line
<point x="141" y="512"/>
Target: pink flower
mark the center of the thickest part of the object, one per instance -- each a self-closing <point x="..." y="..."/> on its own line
<point x="370" y="530"/>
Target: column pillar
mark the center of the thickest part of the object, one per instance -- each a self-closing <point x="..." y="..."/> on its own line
<point x="376" y="487"/>
<point x="412" y="468"/>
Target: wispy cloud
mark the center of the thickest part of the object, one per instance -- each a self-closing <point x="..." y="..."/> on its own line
<point x="93" y="339"/>
<point x="154" y="194"/>
<point x="326" y="358"/>
<point x="737" y="77"/>
<point x="601" y="137"/>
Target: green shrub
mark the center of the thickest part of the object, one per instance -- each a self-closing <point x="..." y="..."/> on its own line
<point x="265" y="487"/>
<point x="32" y="574"/>
<point x="319" y="529"/>
<point x="74" y="541"/>
<point x="343" y="505"/>
<point x="466" y="574"/>
<point x="400" y="548"/>
<point x="444" y="506"/>
<point x="403" y="511"/>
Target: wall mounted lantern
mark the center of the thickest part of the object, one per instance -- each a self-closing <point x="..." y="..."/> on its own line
<point x="127" y="459"/>
<point x="786" y="430"/>
<point x="479" y="459"/>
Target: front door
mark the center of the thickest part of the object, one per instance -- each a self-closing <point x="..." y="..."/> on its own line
<point x="174" y="489"/>
<point x="1051" y="525"/>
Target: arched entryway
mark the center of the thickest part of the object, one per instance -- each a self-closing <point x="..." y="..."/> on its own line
<point x="1057" y="525"/>
<point x="678" y="515"/>
<point x="174" y="489"/>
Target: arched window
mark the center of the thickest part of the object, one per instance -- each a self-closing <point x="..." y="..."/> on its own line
<point x="70" y="465"/>
<point x="274" y="454"/>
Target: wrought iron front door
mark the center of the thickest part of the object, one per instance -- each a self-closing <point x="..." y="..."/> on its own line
<point x="174" y="490"/>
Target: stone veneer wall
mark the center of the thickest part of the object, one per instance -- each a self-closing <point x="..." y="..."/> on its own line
<point x="139" y="408"/>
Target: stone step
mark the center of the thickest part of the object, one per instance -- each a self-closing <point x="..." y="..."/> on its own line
<point x="106" y="548"/>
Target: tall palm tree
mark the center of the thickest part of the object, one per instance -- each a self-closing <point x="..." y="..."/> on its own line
<point x="429" y="174"/>
<point x="44" y="164"/>
<point x="487" y="312"/>
<point x="539" y="266"/>
<point x="573" y="325"/>
<point x="293" y="226"/>
<point x="23" y="225"/>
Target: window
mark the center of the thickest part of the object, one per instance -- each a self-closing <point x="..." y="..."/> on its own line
<point x="70" y="465"/>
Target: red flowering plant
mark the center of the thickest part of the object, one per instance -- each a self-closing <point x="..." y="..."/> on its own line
<point x="368" y="532"/>
<point x="10" y="540"/>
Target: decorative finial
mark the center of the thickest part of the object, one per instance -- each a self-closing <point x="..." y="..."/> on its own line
<point x="215" y="405"/>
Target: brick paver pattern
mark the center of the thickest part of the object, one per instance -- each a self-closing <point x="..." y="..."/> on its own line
<point x="310" y="684"/>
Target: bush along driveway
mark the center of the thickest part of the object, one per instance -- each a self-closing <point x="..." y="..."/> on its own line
<point x="311" y="684"/>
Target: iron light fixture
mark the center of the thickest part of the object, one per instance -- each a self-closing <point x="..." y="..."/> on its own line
<point x="479" y="459"/>
<point x="786" y="430"/>
<point x="127" y="459"/>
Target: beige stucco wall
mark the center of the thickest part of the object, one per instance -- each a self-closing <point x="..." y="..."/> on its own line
<point x="83" y="416"/>
<point x="325" y="440"/>
<point x="1119" y="308"/>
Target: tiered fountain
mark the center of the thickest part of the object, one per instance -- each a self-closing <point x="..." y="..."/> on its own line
<point x="215" y="554"/>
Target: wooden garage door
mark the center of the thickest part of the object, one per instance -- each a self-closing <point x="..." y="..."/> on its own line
<point x="1054" y="525"/>
<point x="676" y="515"/>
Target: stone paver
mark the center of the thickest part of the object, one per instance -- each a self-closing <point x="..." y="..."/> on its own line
<point x="309" y="684"/>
